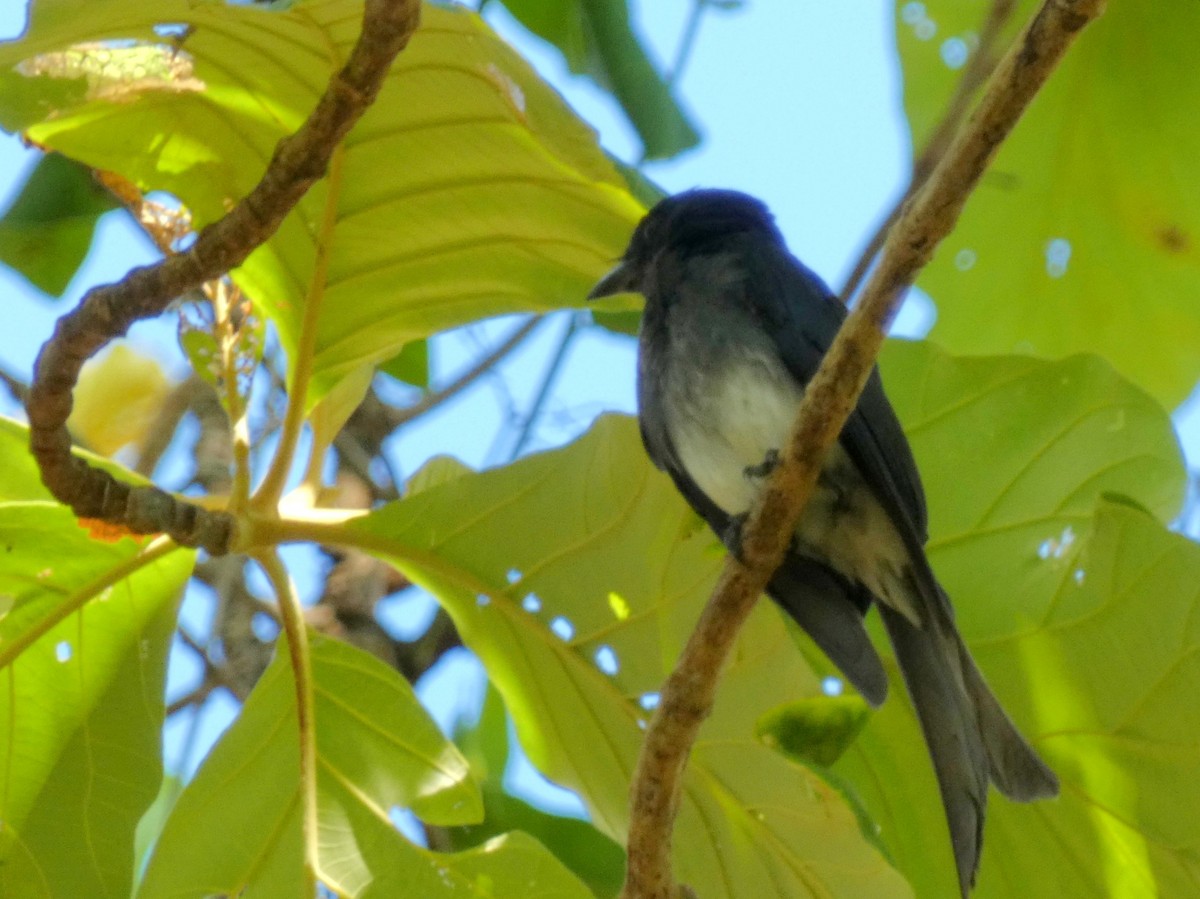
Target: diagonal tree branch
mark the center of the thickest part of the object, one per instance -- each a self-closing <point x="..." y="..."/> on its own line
<point x="687" y="696"/>
<point x="107" y="312"/>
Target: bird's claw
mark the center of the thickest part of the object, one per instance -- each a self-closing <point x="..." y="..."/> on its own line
<point x="763" y="468"/>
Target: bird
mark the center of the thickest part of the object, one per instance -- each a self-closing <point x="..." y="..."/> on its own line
<point x="733" y="328"/>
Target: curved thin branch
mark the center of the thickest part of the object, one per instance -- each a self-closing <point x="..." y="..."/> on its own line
<point x="551" y="375"/>
<point x="479" y="368"/>
<point x="107" y="312"/>
<point x="687" y="696"/>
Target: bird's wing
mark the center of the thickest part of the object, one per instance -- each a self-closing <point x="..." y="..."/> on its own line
<point x="803" y="317"/>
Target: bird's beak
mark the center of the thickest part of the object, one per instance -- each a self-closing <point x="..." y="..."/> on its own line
<point x="619" y="280"/>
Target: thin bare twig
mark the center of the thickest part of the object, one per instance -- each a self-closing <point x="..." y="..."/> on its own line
<point x="15" y="386"/>
<point x="548" y="379"/>
<point x="107" y="312"/>
<point x="687" y="696"/>
<point x="467" y="378"/>
<point x="166" y="422"/>
<point x="980" y="67"/>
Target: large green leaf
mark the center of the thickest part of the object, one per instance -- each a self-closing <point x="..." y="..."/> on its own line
<point x="1014" y="452"/>
<point x="576" y="576"/>
<point x="237" y="825"/>
<point x="1085" y="233"/>
<point x="1107" y="675"/>
<point x="85" y="627"/>
<point x="469" y="189"/>
<point x="596" y="38"/>
<point x="1074" y="621"/>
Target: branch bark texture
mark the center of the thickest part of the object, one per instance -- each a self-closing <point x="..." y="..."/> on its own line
<point x="687" y="696"/>
<point x="107" y="312"/>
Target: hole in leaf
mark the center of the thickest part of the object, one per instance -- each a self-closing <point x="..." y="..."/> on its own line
<point x="1058" y="254"/>
<point x="912" y="13"/>
<point x="832" y="686"/>
<point x="955" y="52"/>
<point x="562" y="628"/>
<point x="63" y="651"/>
<point x="606" y="660"/>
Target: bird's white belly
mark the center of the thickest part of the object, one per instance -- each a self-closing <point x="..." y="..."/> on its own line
<point x="744" y="415"/>
<point x="724" y="434"/>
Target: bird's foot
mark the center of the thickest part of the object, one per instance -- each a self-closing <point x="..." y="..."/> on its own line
<point x="763" y="468"/>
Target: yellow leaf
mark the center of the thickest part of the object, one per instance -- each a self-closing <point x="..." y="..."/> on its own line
<point x="118" y="397"/>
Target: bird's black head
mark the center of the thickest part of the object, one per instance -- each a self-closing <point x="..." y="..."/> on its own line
<point x="689" y="223"/>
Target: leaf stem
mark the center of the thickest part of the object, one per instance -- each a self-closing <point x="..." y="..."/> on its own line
<point x="295" y="631"/>
<point x="269" y="492"/>
<point x="687" y="43"/>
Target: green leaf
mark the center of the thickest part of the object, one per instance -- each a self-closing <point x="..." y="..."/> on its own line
<point x="47" y="231"/>
<point x="150" y="826"/>
<point x="84" y="633"/>
<point x="334" y="409"/>
<point x="1103" y="681"/>
<point x="1067" y="621"/>
<point x="1014" y="453"/>
<point x="596" y="38"/>
<point x="410" y="365"/>
<point x="815" y="730"/>
<point x="576" y="577"/>
<point x="384" y="246"/>
<point x="1085" y="232"/>
<point x="83" y="652"/>
<point x="237" y="825"/>
<point x="28" y="99"/>
<point x="438" y="470"/>
<point x="590" y="855"/>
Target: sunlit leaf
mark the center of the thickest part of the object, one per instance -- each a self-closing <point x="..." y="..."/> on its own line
<point x="1107" y="675"/>
<point x="1085" y="232"/>
<point x="117" y="399"/>
<point x="1069" y="617"/>
<point x="1014" y="453"/>
<point x="594" y="858"/>
<point x="469" y="189"/>
<point x="83" y="650"/>
<point x="237" y="825"/>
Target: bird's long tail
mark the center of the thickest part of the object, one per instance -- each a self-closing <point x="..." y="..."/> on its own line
<point x="970" y="738"/>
